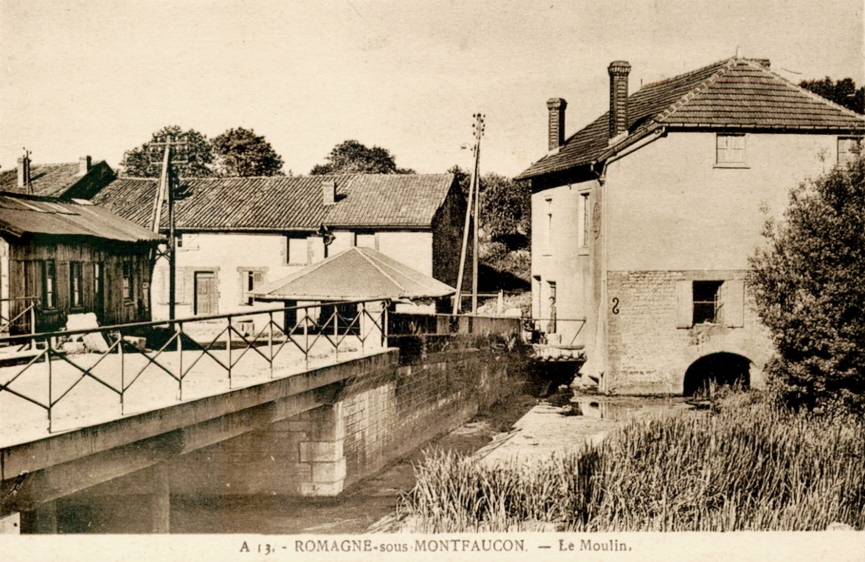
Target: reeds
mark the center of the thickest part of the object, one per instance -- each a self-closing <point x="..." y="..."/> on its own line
<point x="750" y="467"/>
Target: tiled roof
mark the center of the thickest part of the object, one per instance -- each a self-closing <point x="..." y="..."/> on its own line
<point x="355" y="274"/>
<point x="50" y="180"/>
<point x="731" y="94"/>
<point x="285" y="203"/>
<point x="21" y="215"/>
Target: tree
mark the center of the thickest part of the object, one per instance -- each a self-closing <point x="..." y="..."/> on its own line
<point x="506" y="210"/>
<point x="350" y="157"/>
<point x="809" y="291"/>
<point x="240" y="152"/>
<point x="194" y="161"/>
<point x="843" y="92"/>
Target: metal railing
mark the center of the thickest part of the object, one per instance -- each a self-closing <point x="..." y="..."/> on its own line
<point x="126" y="353"/>
<point x="440" y="324"/>
<point x="11" y="318"/>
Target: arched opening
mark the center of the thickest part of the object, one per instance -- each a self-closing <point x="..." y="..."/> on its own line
<point x="720" y="368"/>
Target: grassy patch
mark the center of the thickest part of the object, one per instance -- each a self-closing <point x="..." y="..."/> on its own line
<point x="751" y="466"/>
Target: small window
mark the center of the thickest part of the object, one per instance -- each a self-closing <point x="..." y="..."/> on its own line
<point x="296" y="250"/>
<point x="849" y="149"/>
<point x="49" y="284"/>
<point x="707" y="302"/>
<point x="365" y="240"/>
<point x="75" y="282"/>
<point x="583" y="233"/>
<point x="730" y="151"/>
<point x="128" y="282"/>
<point x="251" y="280"/>
<point x="548" y="226"/>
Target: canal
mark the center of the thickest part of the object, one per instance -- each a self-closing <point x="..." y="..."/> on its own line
<point x="522" y="427"/>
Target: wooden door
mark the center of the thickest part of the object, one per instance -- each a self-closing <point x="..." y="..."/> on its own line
<point x="206" y="294"/>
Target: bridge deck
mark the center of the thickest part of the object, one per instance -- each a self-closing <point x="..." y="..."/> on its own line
<point x="89" y="402"/>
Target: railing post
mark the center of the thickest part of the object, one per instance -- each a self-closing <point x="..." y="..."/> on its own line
<point x="384" y="321"/>
<point x="178" y="329"/>
<point x="361" y="322"/>
<point x="228" y="349"/>
<point x="50" y="384"/>
<point x="335" y="333"/>
<point x="270" y="342"/>
<point x="306" y="336"/>
<point x="122" y="375"/>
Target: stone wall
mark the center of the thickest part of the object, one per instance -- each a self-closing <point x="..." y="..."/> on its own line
<point x="650" y="350"/>
<point x="368" y="421"/>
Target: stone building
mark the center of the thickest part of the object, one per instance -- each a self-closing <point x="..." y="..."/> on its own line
<point x="643" y="221"/>
<point x="234" y="235"/>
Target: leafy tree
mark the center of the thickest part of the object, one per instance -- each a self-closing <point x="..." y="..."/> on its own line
<point x="146" y="161"/>
<point x="506" y="210"/>
<point x="506" y="207"/>
<point x="240" y="152"/>
<point x="353" y="157"/>
<point x="843" y="92"/>
<point x="809" y="292"/>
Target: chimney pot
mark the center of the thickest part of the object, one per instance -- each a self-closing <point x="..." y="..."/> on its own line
<point x="618" y="71"/>
<point x="83" y="165"/>
<point x="556" y="135"/>
<point x="329" y="192"/>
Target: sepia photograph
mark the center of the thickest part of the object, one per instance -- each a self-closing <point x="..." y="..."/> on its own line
<point x="432" y="280"/>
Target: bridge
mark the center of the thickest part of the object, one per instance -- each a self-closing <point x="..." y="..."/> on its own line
<point x="107" y="424"/>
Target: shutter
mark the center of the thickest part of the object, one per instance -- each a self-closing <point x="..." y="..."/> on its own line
<point x="734" y="305"/>
<point x="685" y="304"/>
<point x="257" y="279"/>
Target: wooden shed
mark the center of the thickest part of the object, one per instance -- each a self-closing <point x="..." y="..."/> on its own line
<point x="60" y="257"/>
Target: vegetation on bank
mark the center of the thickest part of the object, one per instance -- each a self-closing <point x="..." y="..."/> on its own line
<point x="751" y="466"/>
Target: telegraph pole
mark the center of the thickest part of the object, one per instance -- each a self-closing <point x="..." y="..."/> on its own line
<point x="473" y="200"/>
<point x="167" y="187"/>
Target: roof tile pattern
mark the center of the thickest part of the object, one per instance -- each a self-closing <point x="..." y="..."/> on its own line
<point x="22" y="215"/>
<point x="355" y="274"/>
<point x="47" y="179"/>
<point x="731" y="94"/>
<point x="285" y="203"/>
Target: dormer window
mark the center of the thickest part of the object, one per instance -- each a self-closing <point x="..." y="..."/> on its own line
<point x="730" y="151"/>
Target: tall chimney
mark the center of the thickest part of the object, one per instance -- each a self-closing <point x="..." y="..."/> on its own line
<point x="556" y="107"/>
<point x="83" y="165"/>
<point x="328" y="188"/>
<point x="619" y="71"/>
<point x="24" y="171"/>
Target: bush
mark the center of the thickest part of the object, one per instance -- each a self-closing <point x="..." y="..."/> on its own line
<point x="809" y="291"/>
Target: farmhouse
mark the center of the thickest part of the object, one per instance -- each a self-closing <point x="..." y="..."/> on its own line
<point x="62" y="257"/>
<point x="237" y="234"/>
<point x="644" y="220"/>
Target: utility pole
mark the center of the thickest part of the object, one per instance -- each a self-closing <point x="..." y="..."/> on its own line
<point x="472" y="202"/>
<point x="167" y="188"/>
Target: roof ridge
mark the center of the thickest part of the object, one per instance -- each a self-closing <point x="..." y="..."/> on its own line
<point x="692" y="93"/>
<point x="808" y="92"/>
<point x="375" y="265"/>
<point x="719" y="63"/>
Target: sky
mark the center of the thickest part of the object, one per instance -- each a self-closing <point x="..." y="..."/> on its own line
<point x="97" y="77"/>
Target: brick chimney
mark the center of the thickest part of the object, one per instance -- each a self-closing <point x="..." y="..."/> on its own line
<point x="83" y="165"/>
<point x="556" y="107"/>
<point x="24" y="171"/>
<point x="619" y="71"/>
<point x="328" y="189"/>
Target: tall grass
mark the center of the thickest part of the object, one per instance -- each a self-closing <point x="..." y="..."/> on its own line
<point x="750" y="467"/>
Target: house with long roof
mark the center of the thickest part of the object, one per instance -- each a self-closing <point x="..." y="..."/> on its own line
<point x="643" y="220"/>
<point x="67" y="180"/>
<point x="234" y="235"/>
<point x="62" y="257"/>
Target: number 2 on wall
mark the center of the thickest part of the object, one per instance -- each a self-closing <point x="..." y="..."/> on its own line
<point x="615" y="305"/>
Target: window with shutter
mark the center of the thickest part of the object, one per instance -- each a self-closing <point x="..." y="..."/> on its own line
<point x="730" y="151"/>
<point x="848" y="149"/>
